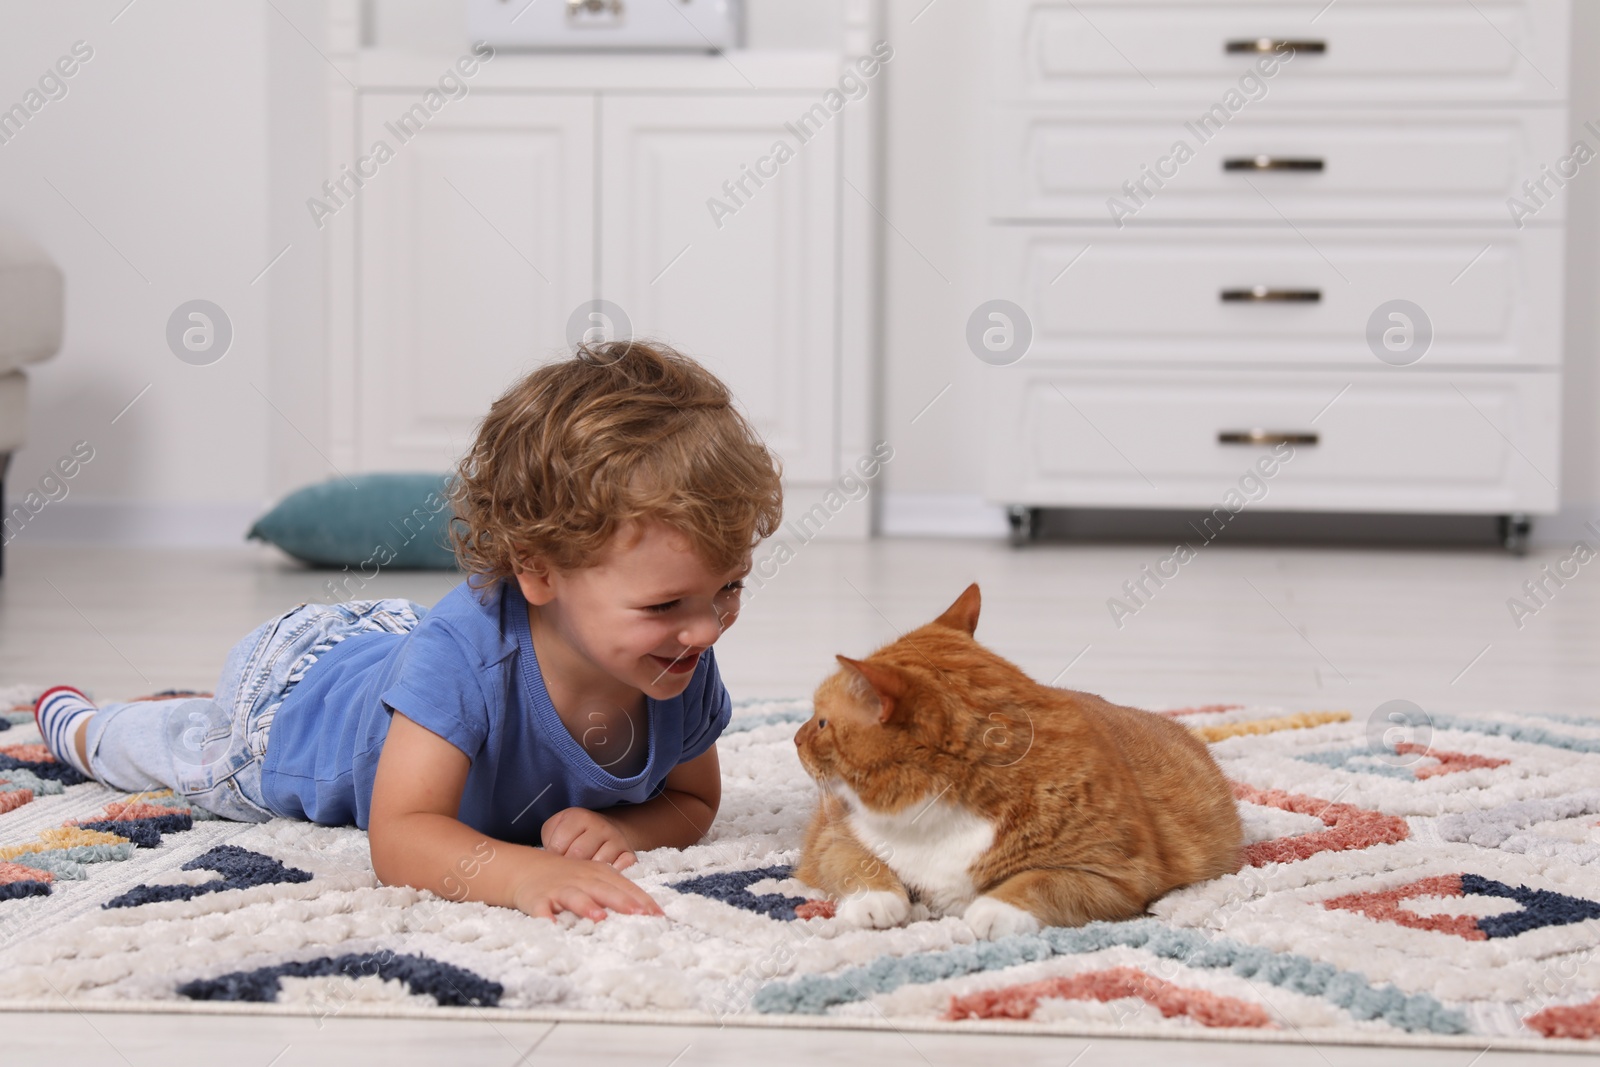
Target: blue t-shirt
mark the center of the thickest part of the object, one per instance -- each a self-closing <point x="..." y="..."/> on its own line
<point x="468" y="674"/>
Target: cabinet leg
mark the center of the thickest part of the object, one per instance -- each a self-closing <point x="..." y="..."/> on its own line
<point x="1024" y="524"/>
<point x="1514" y="529"/>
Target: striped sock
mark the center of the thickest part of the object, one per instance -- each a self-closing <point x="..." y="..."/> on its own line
<point x="59" y="713"/>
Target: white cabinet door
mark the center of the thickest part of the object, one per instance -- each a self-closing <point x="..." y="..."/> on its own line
<point x="747" y="288"/>
<point x="477" y="243"/>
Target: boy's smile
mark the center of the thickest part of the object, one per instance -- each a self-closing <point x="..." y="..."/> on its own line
<point x="632" y="625"/>
<point x="683" y="663"/>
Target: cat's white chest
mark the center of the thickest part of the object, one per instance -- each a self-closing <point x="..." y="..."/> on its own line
<point x="931" y="847"/>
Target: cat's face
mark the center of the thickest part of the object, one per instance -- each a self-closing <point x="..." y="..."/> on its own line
<point x="843" y="732"/>
<point x="875" y="715"/>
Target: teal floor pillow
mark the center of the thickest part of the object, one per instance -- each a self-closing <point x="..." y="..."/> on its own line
<point x="366" y="520"/>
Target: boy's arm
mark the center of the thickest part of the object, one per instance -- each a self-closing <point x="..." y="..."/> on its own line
<point x="681" y="814"/>
<point x="417" y="840"/>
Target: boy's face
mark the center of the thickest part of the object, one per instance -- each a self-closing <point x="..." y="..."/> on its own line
<point x="642" y="614"/>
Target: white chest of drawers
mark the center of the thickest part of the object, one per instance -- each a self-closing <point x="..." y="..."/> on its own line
<point x="1206" y="210"/>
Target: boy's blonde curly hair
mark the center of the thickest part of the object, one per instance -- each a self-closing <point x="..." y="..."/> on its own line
<point x="622" y="432"/>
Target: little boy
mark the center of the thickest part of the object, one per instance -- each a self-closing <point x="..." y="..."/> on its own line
<point x="564" y="695"/>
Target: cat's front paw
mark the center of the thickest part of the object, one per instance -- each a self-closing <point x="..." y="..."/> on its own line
<point x="992" y="918"/>
<point x="877" y="909"/>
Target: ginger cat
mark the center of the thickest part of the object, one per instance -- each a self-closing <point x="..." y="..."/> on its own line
<point x="949" y="776"/>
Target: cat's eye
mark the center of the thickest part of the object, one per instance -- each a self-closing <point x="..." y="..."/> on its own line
<point x="821" y="723"/>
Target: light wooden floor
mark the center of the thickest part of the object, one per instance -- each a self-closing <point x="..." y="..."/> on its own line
<point x="1290" y="627"/>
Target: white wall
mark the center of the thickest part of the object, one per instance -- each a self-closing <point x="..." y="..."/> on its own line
<point x="1580" y="459"/>
<point x="297" y="160"/>
<point x="159" y="148"/>
<point x="934" y="256"/>
<point x="935" y="202"/>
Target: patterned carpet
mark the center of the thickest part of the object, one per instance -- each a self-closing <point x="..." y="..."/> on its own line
<point x="1444" y="891"/>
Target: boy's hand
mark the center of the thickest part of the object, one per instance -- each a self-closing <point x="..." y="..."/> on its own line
<point x="581" y="834"/>
<point x="583" y="887"/>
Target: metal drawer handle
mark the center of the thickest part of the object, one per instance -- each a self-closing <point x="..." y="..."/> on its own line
<point x="1261" y="294"/>
<point x="1266" y="437"/>
<point x="1308" y="165"/>
<point x="576" y="8"/>
<point x="1263" y="45"/>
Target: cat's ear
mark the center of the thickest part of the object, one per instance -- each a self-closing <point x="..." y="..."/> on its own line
<point x="888" y="683"/>
<point x="963" y="614"/>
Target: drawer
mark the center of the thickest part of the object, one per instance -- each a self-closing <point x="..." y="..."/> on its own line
<point x="1156" y="294"/>
<point x="1105" y="165"/>
<point x="1376" y="440"/>
<point x="1130" y="51"/>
